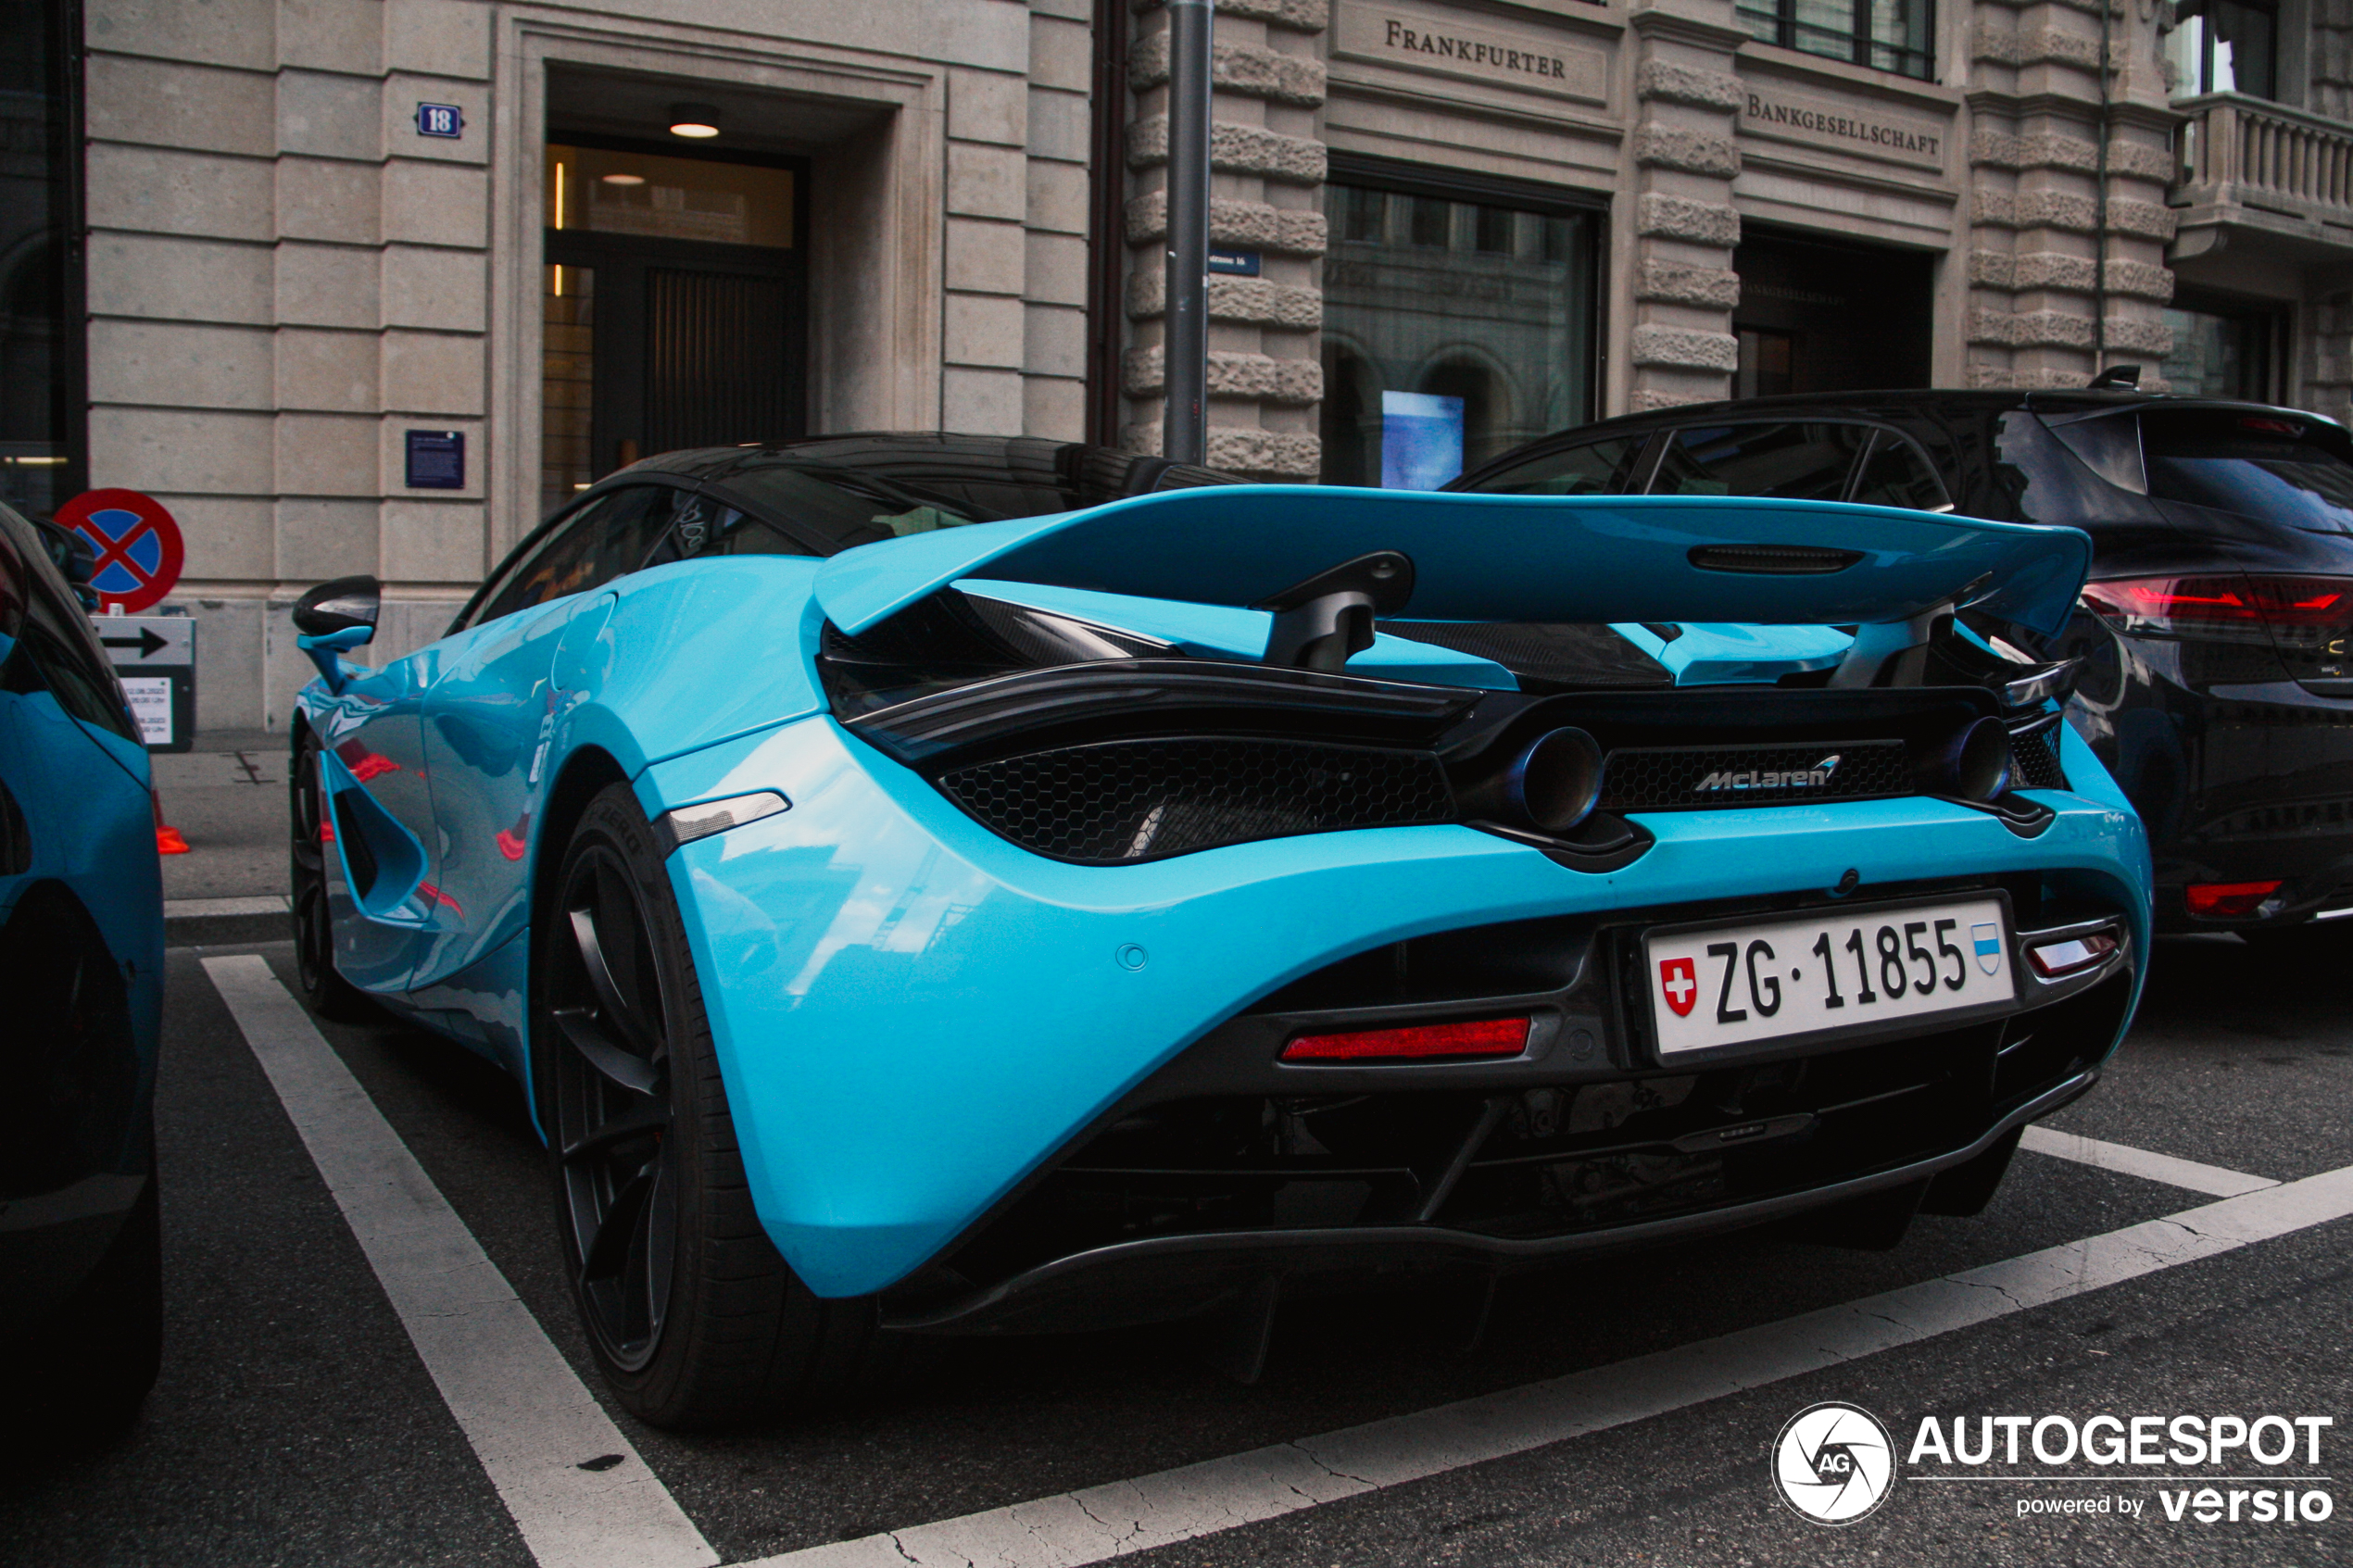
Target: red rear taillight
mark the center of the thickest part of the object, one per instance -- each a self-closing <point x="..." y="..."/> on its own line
<point x="2228" y="606"/>
<point x="2223" y="899"/>
<point x="1420" y="1042"/>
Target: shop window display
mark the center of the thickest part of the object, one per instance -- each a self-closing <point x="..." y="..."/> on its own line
<point x="1453" y="330"/>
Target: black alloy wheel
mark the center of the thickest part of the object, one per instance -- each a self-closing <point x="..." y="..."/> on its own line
<point x="329" y="993"/>
<point x="694" y="1317"/>
<point x="617" y="1164"/>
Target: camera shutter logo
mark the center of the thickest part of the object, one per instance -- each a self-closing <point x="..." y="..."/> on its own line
<point x="1833" y="1463"/>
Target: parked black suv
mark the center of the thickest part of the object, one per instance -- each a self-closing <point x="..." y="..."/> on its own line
<point x="2217" y="682"/>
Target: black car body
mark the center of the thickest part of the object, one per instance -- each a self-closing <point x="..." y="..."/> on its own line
<point x="2216" y="683"/>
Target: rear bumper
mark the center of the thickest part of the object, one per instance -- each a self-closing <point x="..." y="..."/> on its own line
<point x="1166" y="1278"/>
<point x="2237" y="780"/>
<point x="916" y="1020"/>
<point x="1230" y="1167"/>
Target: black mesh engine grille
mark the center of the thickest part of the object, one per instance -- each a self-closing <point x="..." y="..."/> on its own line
<point x="2035" y="761"/>
<point x="1699" y="777"/>
<point x="1115" y="802"/>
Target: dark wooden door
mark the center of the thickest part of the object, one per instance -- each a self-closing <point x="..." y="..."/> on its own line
<point x="694" y="344"/>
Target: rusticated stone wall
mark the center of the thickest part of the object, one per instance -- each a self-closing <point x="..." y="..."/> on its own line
<point x="2321" y="369"/>
<point x="2034" y="214"/>
<point x="1267" y="175"/>
<point x="2331" y="59"/>
<point x="1680" y="345"/>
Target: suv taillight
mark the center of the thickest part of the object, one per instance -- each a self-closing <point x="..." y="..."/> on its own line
<point x="2294" y="614"/>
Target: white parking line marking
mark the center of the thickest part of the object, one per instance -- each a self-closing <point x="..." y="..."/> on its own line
<point x="532" y="1423"/>
<point x="1200" y="1500"/>
<point x="262" y="904"/>
<point x="2211" y="1180"/>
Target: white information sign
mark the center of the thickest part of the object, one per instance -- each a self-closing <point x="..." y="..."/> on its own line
<point x="151" y="705"/>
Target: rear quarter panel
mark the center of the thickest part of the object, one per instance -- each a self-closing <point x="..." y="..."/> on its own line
<point x="656" y="664"/>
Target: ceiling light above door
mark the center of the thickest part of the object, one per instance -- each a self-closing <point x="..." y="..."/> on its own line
<point x="699" y="121"/>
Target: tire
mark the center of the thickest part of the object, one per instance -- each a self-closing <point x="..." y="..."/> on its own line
<point x="79" y="1108"/>
<point x="695" y="1319"/>
<point x="330" y="994"/>
<point x="88" y="1368"/>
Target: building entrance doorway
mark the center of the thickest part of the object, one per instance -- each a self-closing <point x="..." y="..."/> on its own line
<point x="1830" y="318"/>
<point x="675" y="307"/>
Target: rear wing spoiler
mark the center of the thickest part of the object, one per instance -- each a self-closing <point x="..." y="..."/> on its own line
<point x="1501" y="557"/>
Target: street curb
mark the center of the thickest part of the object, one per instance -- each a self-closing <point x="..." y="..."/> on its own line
<point x="194" y="923"/>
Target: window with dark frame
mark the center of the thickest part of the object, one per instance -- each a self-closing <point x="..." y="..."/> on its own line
<point x="2226" y="46"/>
<point x="44" y="457"/>
<point x="674" y="309"/>
<point x="1460" y="321"/>
<point x="1898" y="36"/>
<point x="2223" y="349"/>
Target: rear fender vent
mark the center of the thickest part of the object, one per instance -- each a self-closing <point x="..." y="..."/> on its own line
<point x="1773" y="560"/>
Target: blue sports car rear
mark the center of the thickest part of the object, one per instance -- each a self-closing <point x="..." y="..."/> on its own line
<point x="934" y="884"/>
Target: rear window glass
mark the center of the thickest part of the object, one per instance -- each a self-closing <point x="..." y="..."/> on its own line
<point x="2253" y="464"/>
<point x="1806" y="461"/>
<point x="2277" y="468"/>
<point x="859" y="491"/>
<point x="839" y="507"/>
<point x="1596" y="467"/>
<point x="1899" y="474"/>
<point x="817" y="497"/>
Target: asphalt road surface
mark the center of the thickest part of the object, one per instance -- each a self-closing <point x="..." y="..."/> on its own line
<point x="329" y="1396"/>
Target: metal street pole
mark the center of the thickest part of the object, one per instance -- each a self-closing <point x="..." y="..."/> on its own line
<point x="1185" y="340"/>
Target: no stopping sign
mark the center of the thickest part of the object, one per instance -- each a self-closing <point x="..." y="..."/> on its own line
<point x="137" y="543"/>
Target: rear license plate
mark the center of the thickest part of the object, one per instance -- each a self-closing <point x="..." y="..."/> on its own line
<point x="1825" y="973"/>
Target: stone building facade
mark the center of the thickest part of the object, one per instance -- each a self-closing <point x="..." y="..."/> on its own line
<point x="1442" y="226"/>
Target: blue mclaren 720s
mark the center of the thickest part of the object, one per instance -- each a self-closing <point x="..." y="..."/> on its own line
<point x="932" y="885"/>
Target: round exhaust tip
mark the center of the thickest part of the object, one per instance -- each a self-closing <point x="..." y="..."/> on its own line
<point x="1976" y="764"/>
<point x="1555" y="783"/>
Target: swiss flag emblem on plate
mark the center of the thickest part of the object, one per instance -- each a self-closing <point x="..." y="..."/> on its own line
<point x="1679" y="982"/>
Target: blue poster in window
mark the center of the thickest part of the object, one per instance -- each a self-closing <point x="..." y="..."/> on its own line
<point x="1421" y="440"/>
<point x="436" y="459"/>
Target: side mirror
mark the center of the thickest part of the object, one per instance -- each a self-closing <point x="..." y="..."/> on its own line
<point x="333" y="619"/>
<point x="340" y="605"/>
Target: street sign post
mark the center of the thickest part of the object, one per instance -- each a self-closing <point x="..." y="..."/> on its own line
<point x="155" y="656"/>
<point x="137" y="543"/>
